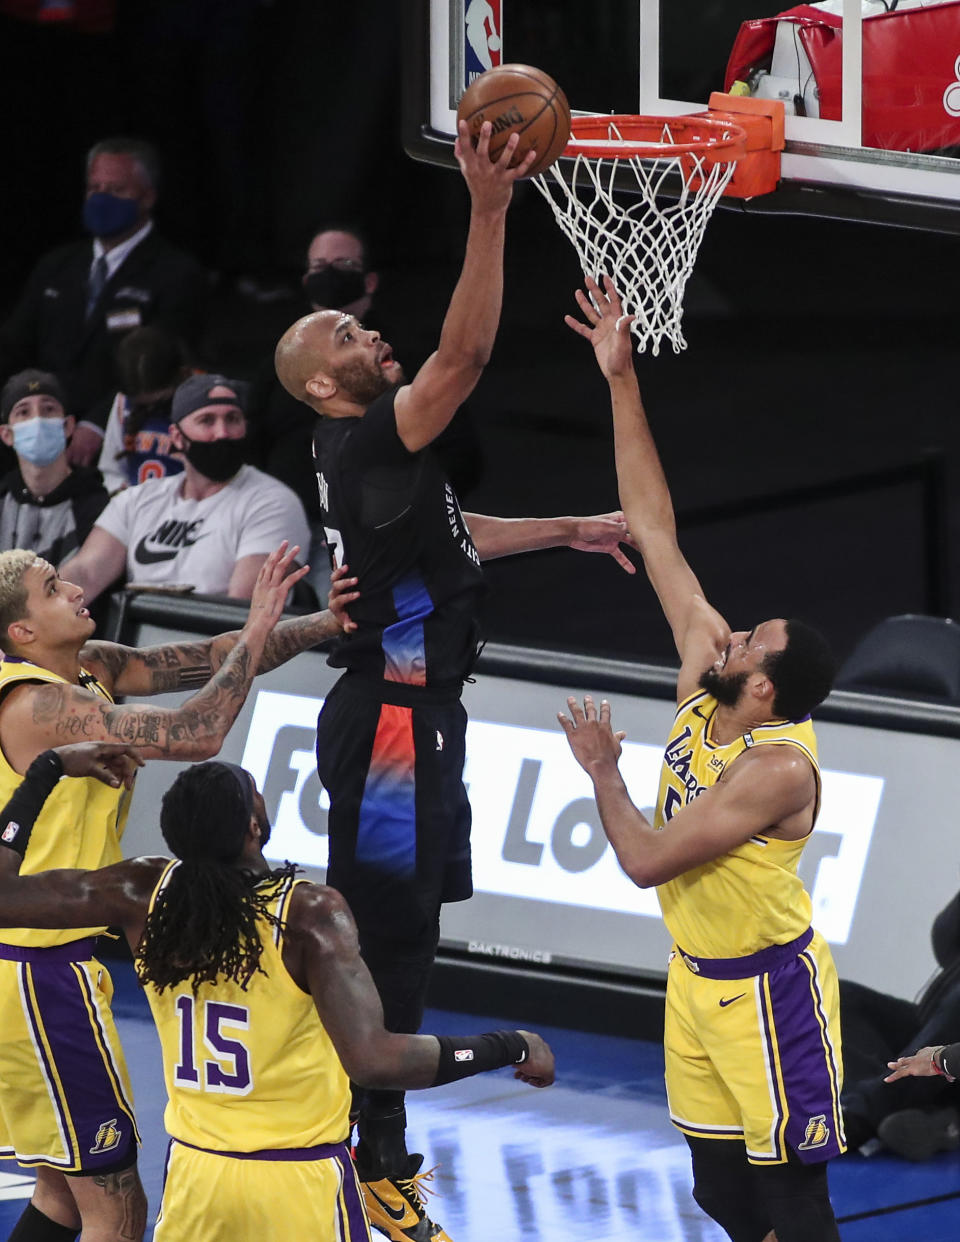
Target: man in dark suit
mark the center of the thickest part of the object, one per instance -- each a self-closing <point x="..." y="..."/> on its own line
<point x="81" y="299"/>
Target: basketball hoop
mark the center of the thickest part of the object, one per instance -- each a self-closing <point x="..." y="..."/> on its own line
<point x="670" y="173"/>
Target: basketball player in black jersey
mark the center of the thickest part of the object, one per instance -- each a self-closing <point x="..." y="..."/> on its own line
<point x="390" y="740"/>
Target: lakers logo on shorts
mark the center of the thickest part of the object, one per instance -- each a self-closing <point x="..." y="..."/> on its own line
<point x="108" y="1137"/>
<point x="817" y="1133"/>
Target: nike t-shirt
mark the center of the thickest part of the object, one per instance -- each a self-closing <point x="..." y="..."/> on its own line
<point x="197" y="542"/>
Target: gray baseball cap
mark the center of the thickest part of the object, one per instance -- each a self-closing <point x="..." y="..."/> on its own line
<point x="194" y="394"/>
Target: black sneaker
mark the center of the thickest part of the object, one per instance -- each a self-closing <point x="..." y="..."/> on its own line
<point x="919" y="1133"/>
<point x="395" y="1206"/>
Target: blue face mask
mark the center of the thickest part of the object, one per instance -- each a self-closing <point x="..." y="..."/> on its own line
<point x="39" y="440"/>
<point x="106" y="215"/>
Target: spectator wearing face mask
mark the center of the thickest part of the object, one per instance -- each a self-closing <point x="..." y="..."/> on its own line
<point x="44" y="503"/>
<point x="83" y="298"/>
<point x="208" y="529"/>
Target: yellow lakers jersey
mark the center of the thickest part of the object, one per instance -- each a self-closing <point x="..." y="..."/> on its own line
<point x="81" y="822"/>
<point x="752" y="896"/>
<point x="253" y="1069"/>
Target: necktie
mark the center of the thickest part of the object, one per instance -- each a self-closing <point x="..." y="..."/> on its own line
<point x="98" y="278"/>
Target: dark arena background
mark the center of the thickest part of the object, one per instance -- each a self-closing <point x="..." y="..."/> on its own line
<point x="811" y="440"/>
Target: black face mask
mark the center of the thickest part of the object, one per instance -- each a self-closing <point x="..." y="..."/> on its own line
<point x="332" y="289"/>
<point x="217" y="460"/>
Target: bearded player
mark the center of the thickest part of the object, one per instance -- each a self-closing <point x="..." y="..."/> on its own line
<point x="751" y="1035"/>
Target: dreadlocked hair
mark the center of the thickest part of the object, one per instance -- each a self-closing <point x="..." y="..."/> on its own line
<point x="204" y="925"/>
<point x="206" y="921"/>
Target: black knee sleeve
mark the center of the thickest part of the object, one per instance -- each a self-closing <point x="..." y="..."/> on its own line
<point x="723" y="1187"/>
<point x="33" y="1226"/>
<point x="381" y="1142"/>
<point x="797" y="1200"/>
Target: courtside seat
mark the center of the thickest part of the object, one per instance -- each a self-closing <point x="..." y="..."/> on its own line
<point x="910" y="655"/>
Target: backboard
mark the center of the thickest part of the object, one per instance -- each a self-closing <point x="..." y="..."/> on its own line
<point x="871" y="88"/>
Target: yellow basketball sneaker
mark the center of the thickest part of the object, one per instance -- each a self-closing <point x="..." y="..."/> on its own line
<point x="395" y="1205"/>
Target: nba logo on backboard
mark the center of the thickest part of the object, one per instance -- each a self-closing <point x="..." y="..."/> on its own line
<point x="482" y="37"/>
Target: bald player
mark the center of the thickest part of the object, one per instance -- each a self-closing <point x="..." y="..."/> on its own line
<point x="390" y="738"/>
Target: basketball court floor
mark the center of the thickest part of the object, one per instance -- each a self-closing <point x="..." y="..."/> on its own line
<point x="592" y="1157"/>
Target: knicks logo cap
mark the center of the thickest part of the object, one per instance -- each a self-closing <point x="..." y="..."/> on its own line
<point x="29" y="383"/>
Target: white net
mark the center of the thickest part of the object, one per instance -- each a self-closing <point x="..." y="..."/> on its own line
<point x="648" y="247"/>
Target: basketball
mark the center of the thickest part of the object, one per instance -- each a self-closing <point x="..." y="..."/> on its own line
<point x="518" y="99"/>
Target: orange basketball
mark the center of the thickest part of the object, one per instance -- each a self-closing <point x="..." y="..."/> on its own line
<point x="518" y="99"/>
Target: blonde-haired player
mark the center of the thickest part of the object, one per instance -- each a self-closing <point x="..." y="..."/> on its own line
<point x="751" y="1036"/>
<point x="65" y="1102"/>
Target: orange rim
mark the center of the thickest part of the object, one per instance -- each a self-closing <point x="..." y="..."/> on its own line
<point x="718" y="141"/>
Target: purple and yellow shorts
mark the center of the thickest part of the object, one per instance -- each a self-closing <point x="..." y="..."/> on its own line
<point x="752" y="1050"/>
<point x="65" y="1098"/>
<point x="261" y="1196"/>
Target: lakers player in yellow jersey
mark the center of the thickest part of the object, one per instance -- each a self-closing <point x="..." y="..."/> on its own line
<point x="263" y="1006"/>
<point x="751" y="1035"/>
<point x="65" y="1103"/>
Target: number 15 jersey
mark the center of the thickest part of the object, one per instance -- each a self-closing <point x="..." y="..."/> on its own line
<point x="249" y="1069"/>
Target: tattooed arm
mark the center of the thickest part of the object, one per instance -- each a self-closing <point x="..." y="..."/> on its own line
<point x="35" y="716"/>
<point x="184" y="666"/>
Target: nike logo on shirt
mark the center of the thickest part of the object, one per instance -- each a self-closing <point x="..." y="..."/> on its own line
<point x="730" y="999"/>
<point x="167" y="541"/>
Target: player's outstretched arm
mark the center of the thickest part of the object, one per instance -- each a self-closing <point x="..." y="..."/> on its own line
<point x="939" y="1059"/>
<point x="605" y="532"/>
<point x="449" y="375"/>
<point x="322" y="953"/>
<point x="117" y="895"/>
<point x="38" y="716"/>
<point x="127" y="671"/>
<point x="111" y="762"/>
<point x="763" y="788"/>
<point x="699" y="632"/>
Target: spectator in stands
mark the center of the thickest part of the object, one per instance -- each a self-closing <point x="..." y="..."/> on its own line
<point x="44" y="504"/>
<point x="338" y="272"/>
<point x="210" y="528"/>
<point x="151" y="364"/>
<point x="81" y="299"/>
<point x="913" y="1117"/>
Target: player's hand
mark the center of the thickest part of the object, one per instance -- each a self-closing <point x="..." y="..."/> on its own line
<point x="274" y="583"/>
<point x="920" y="1065"/>
<point x="604" y="533"/>
<point x="342" y="593"/>
<point x="590" y="734"/>
<point x="490" y="181"/>
<point x="114" y="763"/>
<point x="607" y="327"/>
<point x="538" y="1069"/>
